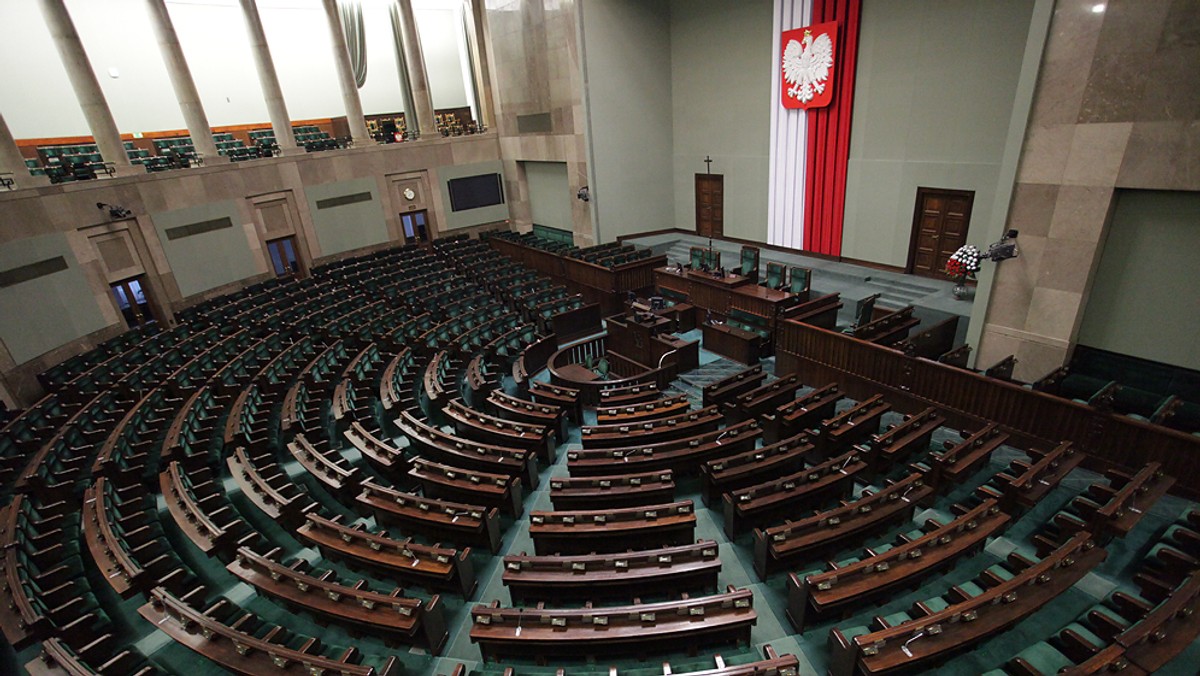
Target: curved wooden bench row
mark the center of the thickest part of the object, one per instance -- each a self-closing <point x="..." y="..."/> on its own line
<point x="324" y="596"/>
<point x="125" y="540"/>
<point x="959" y="460"/>
<point x="402" y="560"/>
<point x="395" y="386"/>
<point x="434" y="444"/>
<point x="758" y="504"/>
<point x="96" y="656"/>
<point x="801" y="414"/>
<point x="489" y="429"/>
<point x="731" y="386"/>
<point x="772" y="664"/>
<point x="670" y="625"/>
<point x="683" y="455"/>
<point x="832" y="529"/>
<point x="878" y="573"/>
<point x="626" y="395"/>
<point x="522" y="410"/>
<point x="1024" y="484"/>
<point x="900" y="441"/>
<point x="559" y="395"/>
<point x="327" y="466"/>
<point x="652" y="431"/>
<point x="442" y="519"/>
<point x="930" y="635"/>
<point x="266" y="485"/>
<point x="197" y="502"/>
<point x="381" y="455"/>
<point x="446" y="482"/>
<point x="762" y="399"/>
<point x="612" y="530"/>
<point x="729" y="473"/>
<point x="603" y="492"/>
<point x="235" y="646"/>
<point x="653" y="409"/>
<point x="852" y="425"/>
<point x="625" y="575"/>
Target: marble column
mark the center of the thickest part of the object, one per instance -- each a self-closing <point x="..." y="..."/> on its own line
<point x="181" y="81"/>
<point x="341" y="61"/>
<point x="477" y="34"/>
<point x="87" y="87"/>
<point x="11" y="160"/>
<point x="281" y="124"/>
<point x="418" y="78"/>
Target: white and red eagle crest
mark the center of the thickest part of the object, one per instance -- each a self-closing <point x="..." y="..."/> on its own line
<point x="808" y="66"/>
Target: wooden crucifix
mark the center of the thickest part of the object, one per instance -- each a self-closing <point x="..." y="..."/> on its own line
<point x="707" y="164"/>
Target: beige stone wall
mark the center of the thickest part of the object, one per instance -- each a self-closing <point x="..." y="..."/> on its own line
<point x="70" y="208"/>
<point x="533" y="56"/>
<point x="1117" y="106"/>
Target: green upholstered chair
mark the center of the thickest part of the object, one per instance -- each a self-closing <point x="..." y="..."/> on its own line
<point x="749" y="267"/>
<point x="801" y="280"/>
<point x="776" y="274"/>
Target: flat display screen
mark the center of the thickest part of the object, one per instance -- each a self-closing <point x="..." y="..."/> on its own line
<point x="474" y="192"/>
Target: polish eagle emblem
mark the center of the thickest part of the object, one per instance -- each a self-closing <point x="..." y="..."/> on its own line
<point x="807" y="64"/>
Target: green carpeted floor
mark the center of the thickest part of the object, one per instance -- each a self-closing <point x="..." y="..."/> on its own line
<point x="737" y="569"/>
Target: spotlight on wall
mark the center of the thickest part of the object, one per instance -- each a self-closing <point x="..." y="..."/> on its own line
<point x="584" y="195"/>
<point x="114" y="211"/>
<point x="1005" y="249"/>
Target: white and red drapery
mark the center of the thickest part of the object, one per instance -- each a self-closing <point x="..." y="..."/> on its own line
<point x="816" y="42"/>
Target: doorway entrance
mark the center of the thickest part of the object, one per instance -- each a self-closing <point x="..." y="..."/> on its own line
<point x="130" y="295"/>
<point x="710" y="205"/>
<point x="940" y="225"/>
<point x="413" y="223"/>
<point x="282" y="252"/>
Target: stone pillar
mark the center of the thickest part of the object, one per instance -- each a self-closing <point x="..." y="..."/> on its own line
<point x="11" y="160"/>
<point x="272" y="93"/>
<point x="86" y="86"/>
<point x="418" y="79"/>
<point x="341" y="60"/>
<point x="181" y="81"/>
<point x="477" y="34"/>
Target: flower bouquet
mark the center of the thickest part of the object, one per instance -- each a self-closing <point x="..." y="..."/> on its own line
<point x="962" y="266"/>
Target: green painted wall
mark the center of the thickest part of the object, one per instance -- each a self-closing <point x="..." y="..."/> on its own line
<point x="207" y="260"/>
<point x="549" y="193"/>
<point x="1145" y="300"/>
<point x="481" y="216"/>
<point x="43" y="313"/>
<point x="627" y="69"/>
<point x="721" y="63"/>
<point x="349" y="226"/>
<point x="934" y="97"/>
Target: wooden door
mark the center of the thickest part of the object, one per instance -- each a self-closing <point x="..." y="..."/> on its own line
<point x="939" y="229"/>
<point x="710" y="205"/>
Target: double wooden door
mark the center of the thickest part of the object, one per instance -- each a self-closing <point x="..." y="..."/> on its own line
<point x="939" y="229"/>
<point x="710" y="205"/>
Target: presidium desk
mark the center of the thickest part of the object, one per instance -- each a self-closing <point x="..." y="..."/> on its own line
<point x="720" y="294"/>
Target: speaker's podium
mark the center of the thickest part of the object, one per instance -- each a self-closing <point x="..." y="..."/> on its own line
<point x="644" y="337"/>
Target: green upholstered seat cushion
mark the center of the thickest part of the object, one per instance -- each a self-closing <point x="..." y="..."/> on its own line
<point x="1045" y="658"/>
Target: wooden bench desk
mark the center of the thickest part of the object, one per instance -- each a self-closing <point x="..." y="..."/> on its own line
<point x="612" y="530"/>
<point x="612" y="491"/>
<point x="625" y="575"/>
<point x="682" y="456"/>
<point x="832" y="529"/>
<point x="401" y="560"/>
<point x="669" y="625"/>
<point x="441" y="519"/>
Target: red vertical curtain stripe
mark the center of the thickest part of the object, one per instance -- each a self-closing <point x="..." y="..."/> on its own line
<point x="828" y="150"/>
